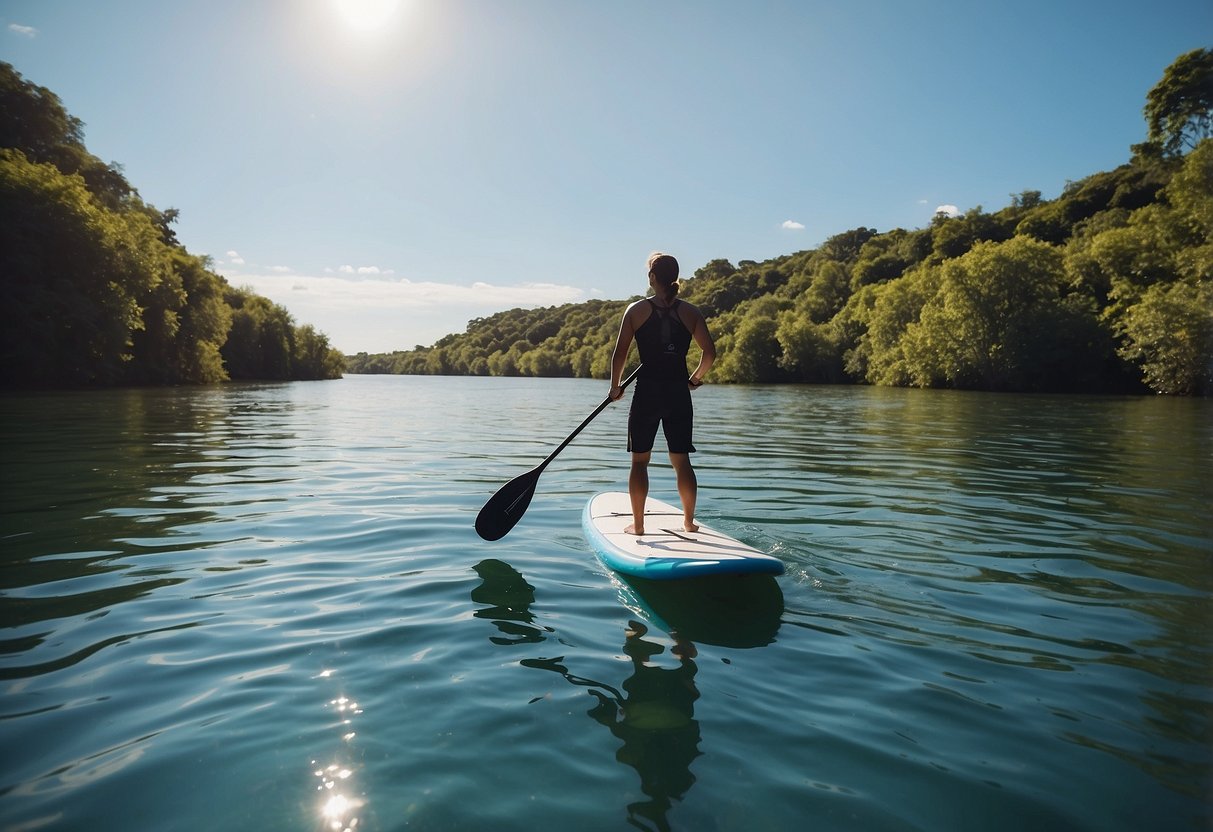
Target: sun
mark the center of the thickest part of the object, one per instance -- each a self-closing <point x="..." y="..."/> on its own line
<point x="366" y="16"/>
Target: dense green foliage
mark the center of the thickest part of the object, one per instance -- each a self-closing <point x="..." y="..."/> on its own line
<point x="97" y="289"/>
<point x="1109" y="287"/>
<point x="570" y="340"/>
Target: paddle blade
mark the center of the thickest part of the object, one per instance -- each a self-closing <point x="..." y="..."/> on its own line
<point x="505" y="508"/>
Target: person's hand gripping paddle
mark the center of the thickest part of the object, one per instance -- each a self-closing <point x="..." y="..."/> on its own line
<point x="505" y="508"/>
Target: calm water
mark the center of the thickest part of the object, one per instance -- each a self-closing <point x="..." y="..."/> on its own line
<point x="264" y="607"/>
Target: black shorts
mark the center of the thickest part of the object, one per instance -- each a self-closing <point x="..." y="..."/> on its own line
<point x="665" y="403"/>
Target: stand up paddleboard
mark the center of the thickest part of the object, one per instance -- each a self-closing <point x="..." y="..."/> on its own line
<point x="665" y="551"/>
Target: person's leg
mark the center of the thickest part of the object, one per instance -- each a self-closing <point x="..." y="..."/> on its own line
<point x="643" y="419"/>
<point x="638" y="490"/>
<point x="688" y="489"/>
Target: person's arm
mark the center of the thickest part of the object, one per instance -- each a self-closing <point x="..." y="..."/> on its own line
<point x="619" y="357"/>
<point x="703" y="338"/>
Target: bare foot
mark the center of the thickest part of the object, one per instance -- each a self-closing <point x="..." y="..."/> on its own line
<point x="634" y="529"/>
<point x="689" y="526"/>
<point x="684" y="649"/>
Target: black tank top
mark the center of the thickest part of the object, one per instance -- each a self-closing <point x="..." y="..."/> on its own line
<point x="663" y="342"/>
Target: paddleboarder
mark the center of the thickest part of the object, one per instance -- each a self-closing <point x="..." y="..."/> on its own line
<point x="663" y="327"/>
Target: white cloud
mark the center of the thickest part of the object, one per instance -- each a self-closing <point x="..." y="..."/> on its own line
<point x="281" y="269"/>
<point x="366" y="271"/>
<point x="392" y="313"/>
<point x="792" y="225"/>
<point x="24" y="31"/>
<point x="234" y="256"/>
<point x="947" y="210"/>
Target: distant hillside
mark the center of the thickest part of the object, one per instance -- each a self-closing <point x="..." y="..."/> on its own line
<point x="1108" y="287"/>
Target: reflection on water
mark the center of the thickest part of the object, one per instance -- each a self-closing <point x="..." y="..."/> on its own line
<point x="654" y="716"/>
<point x="655" y="722"/>
<point x="509" y="597"/>
<point x="725" y="610"/>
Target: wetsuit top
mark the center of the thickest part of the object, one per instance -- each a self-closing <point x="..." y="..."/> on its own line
<point x="663" y="341"/>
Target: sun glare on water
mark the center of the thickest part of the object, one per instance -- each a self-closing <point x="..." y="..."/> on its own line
<point x="366" y="17"/>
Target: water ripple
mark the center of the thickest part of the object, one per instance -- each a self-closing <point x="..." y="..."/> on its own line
<point x="265" y="606"/>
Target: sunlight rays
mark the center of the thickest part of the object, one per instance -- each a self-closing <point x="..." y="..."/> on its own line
<point x="367" y="17"/>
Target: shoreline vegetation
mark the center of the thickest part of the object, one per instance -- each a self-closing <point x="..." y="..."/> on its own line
<point x="97" y="288"/>
<point x="1108" y="288"/>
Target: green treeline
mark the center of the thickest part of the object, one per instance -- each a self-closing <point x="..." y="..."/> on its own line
<point x="570" y="340"/>
<point x="97" y="289"/>
<point x="1109" y="287"/>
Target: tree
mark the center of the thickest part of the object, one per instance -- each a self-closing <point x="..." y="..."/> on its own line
<point x="154" y="344"/>
<point x="545" y="362"/>
<point x="715" y="269"/>
<point x="1026" y="200"/>
<point x="721" y="290"/>
<point x="205" y="321"/>
<point x="896" y="307"/>
<point x="261" y="343"/>
<point x="71" y="274"/>
<point x="845" y="247"/>
<point x="827" y="293"/>
<point x="314" y="358"/>
<point x="880" y="269"/>
<point x="1179" y="109"/>
<point x="956" y="235"/>
<point x="1167" y="322"/>
<point x="1169" y="334"/>
<point x="809" y="350"/>
<point x="35" y="121"/>
<point x="751" y="353"/>
<point x="1191" y="189"/>
<point x="992" y="321"/>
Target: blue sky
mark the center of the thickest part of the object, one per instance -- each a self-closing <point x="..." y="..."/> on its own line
<point x="390" y="170"/>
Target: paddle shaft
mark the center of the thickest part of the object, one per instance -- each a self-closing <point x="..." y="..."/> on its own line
<point x="623" y="384"/>
<point x="506" y="507"/>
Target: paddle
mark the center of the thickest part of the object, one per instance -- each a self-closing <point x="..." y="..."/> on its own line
<point x="505" y="508"/>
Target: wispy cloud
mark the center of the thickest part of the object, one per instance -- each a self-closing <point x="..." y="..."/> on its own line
<point x="792" y="225"/>
<point x="387" y="313"/>
<point x="282" y="269"/>
<point x="365" y="271"/>
<point x="235" y="258"/>
<point x="24" y="31"/>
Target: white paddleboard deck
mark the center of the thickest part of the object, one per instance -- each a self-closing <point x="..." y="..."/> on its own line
<point x="665" y="550"/>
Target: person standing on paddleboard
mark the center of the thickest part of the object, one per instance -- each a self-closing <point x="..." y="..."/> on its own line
<point x="662" y="327"/>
